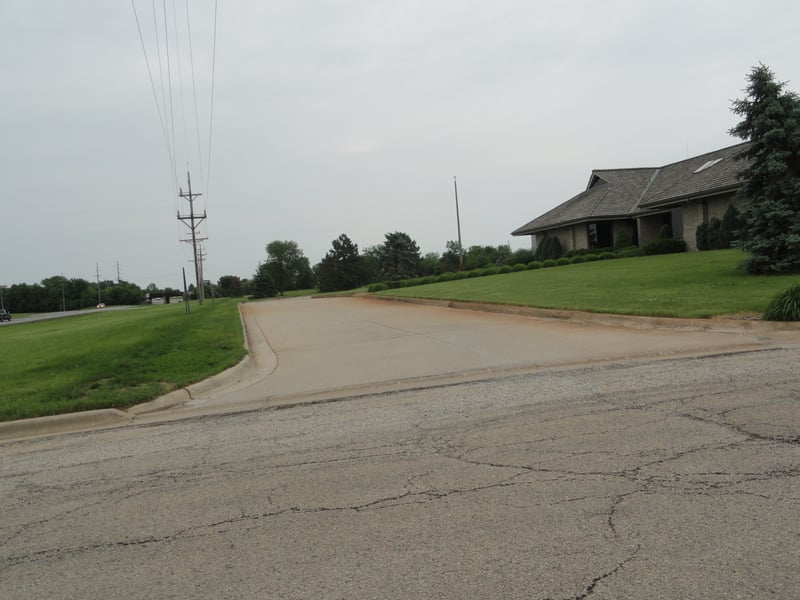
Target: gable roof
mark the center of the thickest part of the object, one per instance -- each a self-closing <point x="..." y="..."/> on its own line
<point x="689" y="179"/>
<point x="623" y="193"/>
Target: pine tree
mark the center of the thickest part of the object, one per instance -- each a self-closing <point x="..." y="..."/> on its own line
<point x="771" y="230"/>
<point x="400" y="257"/>
<point x="263" y="285"/>
<point x="341" y="269"/>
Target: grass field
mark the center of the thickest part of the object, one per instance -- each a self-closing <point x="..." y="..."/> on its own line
<point x="114" y="358"/>
<point x="693" y="284"/>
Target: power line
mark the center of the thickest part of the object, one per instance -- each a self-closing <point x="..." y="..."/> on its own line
<point x="169" y="75"/>
<point x="166" y="95"/>
<point x="211" y="109"/>
<point x="156" y="37"/>
<point x="173" y="171"/>
<point x="180" y="80"/>
<point x="194" y="93"/>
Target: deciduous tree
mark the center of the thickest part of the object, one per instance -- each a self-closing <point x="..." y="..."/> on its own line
<point x="230" y="286"/>
<point x="288" y="267"/>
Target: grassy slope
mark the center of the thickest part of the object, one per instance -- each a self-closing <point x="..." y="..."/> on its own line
<point x="696" y="284"/>
<point x="114" y="358"/>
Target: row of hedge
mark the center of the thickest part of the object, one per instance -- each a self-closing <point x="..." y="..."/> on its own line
<point x="659" y="246"/>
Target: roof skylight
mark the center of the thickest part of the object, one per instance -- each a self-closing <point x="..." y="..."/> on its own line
<point x="706" y="165"/>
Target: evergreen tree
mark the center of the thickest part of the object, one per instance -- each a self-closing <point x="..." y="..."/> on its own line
<point x="771" y="230"/>
<point x="341" y="269"/>
<point x="400" y="258"/>
<point x="263" y="285"/>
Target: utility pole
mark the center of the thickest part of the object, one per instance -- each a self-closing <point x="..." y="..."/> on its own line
<point x="458" y="223"/>
<point x="118" y="279"/>
<point x="97" y="272"/>
<point x="192" y="221"/>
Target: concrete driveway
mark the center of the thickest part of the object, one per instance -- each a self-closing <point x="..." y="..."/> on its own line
<point x="306" y="349"/>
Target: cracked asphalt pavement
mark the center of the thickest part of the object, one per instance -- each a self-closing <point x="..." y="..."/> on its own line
<point x="672" y="476"/>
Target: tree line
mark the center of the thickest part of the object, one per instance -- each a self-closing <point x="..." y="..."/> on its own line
<point x="59" y="293"/>
<point x="344" y="267"/>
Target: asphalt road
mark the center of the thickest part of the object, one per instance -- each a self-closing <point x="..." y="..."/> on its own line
<point x="15" y="320"/>
<point x="661" y="475"/>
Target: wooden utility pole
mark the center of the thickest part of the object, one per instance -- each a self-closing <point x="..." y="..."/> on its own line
<point x="192" y="221"/>
<point x="458" y="223"/>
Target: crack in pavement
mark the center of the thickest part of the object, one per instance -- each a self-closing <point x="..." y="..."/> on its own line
<point x="596" y="581"/>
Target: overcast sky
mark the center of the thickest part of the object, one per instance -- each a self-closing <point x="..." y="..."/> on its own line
<point x="345" y="116"/>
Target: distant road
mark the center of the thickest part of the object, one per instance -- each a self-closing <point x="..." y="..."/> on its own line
<point x="59" y="315"/>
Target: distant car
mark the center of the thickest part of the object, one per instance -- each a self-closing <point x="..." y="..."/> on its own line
<point x="101" y="305"/>
<point x="4" y="315"/>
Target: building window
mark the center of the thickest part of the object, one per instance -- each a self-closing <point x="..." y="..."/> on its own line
<point x="600" y="235"/>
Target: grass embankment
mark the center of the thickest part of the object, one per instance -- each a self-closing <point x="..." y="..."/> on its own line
<point x="695" y="284"/>
<point x="114" y="358"/>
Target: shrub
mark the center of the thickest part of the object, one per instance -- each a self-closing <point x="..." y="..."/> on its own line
<point x="397" y="283"/>
<point x="449" y="276"/>
<point x="578" y="259"/>
<point x="585" y="251"/>
<point x="534" y="264"/>
<point x="459" y="275"/>
<point x="474" y="273"/>
<point x="715" y="234"/>
<point x="606" y="256"/>
<point x="550" y="247"/>
<point x="732" y="223"/>
<point x="504" y="269"/>
<point x="719" y="234"/>
<point x="664" y="246"/>
<point x="785" y="306"/>
<point x="548" y="263"/>
<point x="521" y="256"/>
<point x="428" y="279"/>
<point x="413" y="282"/>
<point x="623" y="240"/>
<point x="630" y="251"/>
<point x="563" y="261"/>
<point x="491" y="270"/>
<point x="518" y="267"/>
<point x="377" y="287"/>
<point x="701" y="236"/>
<point x="590" y="257"/>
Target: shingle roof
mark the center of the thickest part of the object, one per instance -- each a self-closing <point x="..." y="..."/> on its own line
<point x="682" y="180"/>
<point x="622" y="193"/>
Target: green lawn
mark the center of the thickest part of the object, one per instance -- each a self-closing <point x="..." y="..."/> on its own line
<point x="114" y="358"/>
<point x="693" y="284"/>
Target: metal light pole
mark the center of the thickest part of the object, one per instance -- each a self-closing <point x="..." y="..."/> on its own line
<point x="458" y="223"/>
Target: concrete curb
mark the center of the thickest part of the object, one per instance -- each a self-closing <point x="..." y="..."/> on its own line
<point x="80" y="421"/>
<point x="635" y="322"/>
<point x="229" y="376"/>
